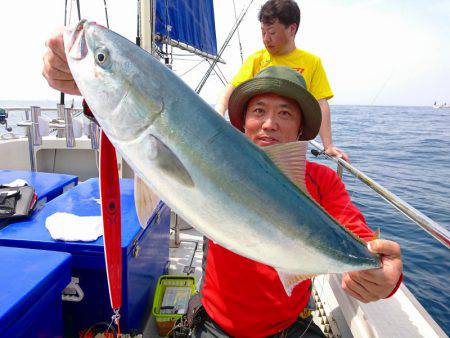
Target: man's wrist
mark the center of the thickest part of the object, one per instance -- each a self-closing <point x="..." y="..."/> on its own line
<point x="327" y="141"/>
<point x="399" y="282"/>
<point x="327" y="145"/>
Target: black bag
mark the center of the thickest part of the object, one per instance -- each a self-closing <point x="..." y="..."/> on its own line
<point x="16" y="202"/>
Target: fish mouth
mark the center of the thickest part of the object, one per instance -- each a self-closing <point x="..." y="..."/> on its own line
<point x="76" y="46"/>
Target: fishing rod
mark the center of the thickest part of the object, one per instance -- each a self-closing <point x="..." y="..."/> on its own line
<point x="138" y="21"/>
<point x="224" y="45"/>
<point x="426" y="223"/>
<point x="61" y="94"/>
<point x="239" y="36"/>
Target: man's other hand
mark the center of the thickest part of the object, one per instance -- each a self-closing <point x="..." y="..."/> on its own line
<point x="371" y="285"/>
<point x="336" y="152"/>
<point x="56" y="70"/>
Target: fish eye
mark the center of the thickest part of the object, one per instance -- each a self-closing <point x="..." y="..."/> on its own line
<point x="101" y="56"/>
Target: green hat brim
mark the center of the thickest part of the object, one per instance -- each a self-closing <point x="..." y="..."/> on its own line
<point x="311" y="113"/>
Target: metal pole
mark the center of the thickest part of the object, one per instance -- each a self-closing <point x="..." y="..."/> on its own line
<point x="186" y="47"/>
<point x="31" y="149"/>
<point x="94" y="135"/>
<point x="147" y="24"/>
<point x="239" y="36"/>
<point x="138" y="30"/>
<point x="70" y="138"/>
<point x="60" y="109"/>
<point x="225" y="44"/>
<point x="35" y="133"/>
<point x="61" y="96"/>
<point x="426" y="223"/>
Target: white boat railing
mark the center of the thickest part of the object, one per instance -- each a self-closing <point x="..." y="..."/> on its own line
<point x="63" y="124"/>
<point x="434" y="229"/>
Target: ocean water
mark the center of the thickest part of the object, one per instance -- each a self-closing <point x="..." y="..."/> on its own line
<point x="407" y="150"/>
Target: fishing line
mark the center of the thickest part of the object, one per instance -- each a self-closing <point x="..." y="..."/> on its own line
<point x="70" y="13"/>
<point x="218" y="75"/>
<point x="224" y="45"/>
<point x="78" y="10"/>
<point x="65" y="12"/>
<point x="192" y="68"/>
<point x="97" y="325"/>
<point x="106" y="13"/>
<point x="220" y="71"/>
<point x="382" y="87"/>
<point x="239" y="36"/>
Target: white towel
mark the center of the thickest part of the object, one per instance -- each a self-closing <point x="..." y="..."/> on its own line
<point x="68" y="227"/>
<point x="16" y="183"/>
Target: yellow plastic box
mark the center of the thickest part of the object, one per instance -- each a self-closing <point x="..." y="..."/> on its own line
<point x="166" y="321"/>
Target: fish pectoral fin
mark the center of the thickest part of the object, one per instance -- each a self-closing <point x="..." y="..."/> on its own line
<point x="291" y="280"/>
<point x="145" y="200"/>
<point x="169" y="163"/>
<point x="290" y="158"/>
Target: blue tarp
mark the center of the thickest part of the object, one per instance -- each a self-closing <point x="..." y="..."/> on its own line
<point x="188" y="21"/>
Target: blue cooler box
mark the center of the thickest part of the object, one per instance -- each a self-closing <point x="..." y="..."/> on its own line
<point x="145" y="255"/>
<point x="46" y="185"/>
<point x="31" y="282"/>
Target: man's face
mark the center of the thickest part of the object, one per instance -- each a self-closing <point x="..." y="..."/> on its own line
<point x="276" y="37"/>
<point x="272" y="119"/>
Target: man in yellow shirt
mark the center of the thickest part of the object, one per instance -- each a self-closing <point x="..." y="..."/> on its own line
<point x="279" y="24"/>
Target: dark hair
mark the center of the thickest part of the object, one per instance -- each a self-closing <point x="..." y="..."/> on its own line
<point x="286" y="11"/>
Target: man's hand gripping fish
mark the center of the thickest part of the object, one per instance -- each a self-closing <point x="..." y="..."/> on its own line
<point x="206" y="170"/>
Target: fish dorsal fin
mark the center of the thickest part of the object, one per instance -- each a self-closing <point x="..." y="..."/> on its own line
<point x="168" y="162"/>
<point x="145" y="200"/>
<point x="290" y="158"/>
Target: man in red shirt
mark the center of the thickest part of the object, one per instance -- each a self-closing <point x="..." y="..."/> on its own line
<point x="244" y="298"/>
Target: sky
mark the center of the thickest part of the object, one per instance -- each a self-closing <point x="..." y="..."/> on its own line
<point x="376" y="52"/>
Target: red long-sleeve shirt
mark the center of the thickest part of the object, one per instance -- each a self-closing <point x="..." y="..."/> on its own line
<point x="246" y="298"/>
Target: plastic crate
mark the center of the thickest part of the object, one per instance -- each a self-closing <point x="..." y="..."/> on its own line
<point x="165" y="322"/>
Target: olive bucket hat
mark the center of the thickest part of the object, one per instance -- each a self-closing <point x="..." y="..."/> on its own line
<point x="285" y="82"/>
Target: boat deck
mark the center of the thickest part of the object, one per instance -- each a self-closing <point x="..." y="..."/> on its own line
<point x="337" y="314"/>
<point x="187" y="257"/>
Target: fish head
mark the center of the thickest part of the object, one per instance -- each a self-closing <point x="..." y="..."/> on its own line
<point x="107" y="74"/>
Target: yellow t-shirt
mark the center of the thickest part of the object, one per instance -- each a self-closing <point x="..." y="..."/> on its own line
<point x="305" y="63"/>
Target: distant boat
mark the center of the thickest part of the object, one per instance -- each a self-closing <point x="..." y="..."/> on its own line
<point x="438" y="106"/>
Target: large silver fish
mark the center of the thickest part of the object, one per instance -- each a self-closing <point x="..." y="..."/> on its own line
<point x="203" y="168"/>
